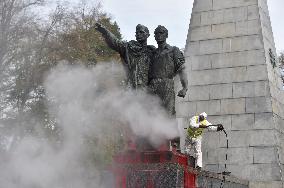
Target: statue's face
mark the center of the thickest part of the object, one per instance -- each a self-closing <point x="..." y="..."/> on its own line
<point x="161" y="36"/>
<point x="141" y="34"/>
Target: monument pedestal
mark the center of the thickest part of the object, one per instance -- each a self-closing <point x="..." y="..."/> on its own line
<point x="152" y="169"/>
<point x="165" y="169"/>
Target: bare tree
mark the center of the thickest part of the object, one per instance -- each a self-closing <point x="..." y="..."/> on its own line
<point x="29" y="47"/>
<point x="16" y="25"/>
<point x="14" y="21"/>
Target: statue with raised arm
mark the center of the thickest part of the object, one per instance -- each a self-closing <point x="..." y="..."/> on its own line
<point x="167" y="62"/>
<point x="136" y="55"/>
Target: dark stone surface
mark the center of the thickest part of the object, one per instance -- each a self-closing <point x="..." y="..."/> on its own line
<point x="151" y="68"/>
<point x="171" y="175"/>
<point x="167" y="62"/>
<point x="207" y="179"/>
<point x="158" y="175"/>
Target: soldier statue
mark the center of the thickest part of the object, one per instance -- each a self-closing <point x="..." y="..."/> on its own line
<point x="167" y="62"/>
<point x="136" y="55"/>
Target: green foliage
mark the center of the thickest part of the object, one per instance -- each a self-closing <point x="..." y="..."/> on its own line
<point x="79" y="42"/>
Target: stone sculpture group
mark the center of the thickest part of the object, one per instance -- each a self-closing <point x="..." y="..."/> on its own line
<point x="149" y="68"/>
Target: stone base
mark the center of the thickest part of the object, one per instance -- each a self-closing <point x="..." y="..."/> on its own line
<point x="273" y="184"/>
<point x="165" y="169"/>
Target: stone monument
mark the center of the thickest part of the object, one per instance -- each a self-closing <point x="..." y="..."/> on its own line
<point x="135" y="54"/>
<point x="167" y="62"/>
<point x="233" y="76"/>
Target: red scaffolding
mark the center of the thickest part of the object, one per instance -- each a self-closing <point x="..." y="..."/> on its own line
<point x="153" y="169"/>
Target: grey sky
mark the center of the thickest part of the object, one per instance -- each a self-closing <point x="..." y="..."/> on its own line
<point x="175" y="15"/>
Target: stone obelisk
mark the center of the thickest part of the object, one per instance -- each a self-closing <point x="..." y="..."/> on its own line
<point x="234" y="78"/>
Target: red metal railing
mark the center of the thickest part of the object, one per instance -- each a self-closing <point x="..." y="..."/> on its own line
<point x="152" y="169"/>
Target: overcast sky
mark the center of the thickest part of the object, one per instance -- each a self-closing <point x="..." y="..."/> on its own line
<point x="175" y="15"/>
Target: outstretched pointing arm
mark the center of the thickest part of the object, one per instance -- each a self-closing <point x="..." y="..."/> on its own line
<point x="112" y="41"/>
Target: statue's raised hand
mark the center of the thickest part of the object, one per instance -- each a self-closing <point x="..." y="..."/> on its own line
<point x="99" y="27"/>
<point x="182" y="93"/>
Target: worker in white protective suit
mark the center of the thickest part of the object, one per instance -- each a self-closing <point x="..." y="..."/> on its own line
<point x="193" y="140"/>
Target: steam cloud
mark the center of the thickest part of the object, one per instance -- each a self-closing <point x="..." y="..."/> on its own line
<point x="87" y="104"/>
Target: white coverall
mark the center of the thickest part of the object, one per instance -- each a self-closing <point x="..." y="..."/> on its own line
<point x="193" y="144"/>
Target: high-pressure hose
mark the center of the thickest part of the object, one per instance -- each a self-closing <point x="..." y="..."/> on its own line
<point x="225" y="172"/>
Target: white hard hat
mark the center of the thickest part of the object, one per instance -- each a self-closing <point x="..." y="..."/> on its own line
<point x="203" y="114"/>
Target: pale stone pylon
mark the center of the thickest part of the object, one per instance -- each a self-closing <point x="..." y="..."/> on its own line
<point x="232" y="76"/>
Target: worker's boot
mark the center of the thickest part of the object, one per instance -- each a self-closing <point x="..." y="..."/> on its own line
<point x="191" y="161"/>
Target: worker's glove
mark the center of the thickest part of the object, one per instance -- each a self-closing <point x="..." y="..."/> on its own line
<point x="220" y="127"/>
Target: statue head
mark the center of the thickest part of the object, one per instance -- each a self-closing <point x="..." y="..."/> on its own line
<point x="161" y="34"/>
<point x="142" y="33"/>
